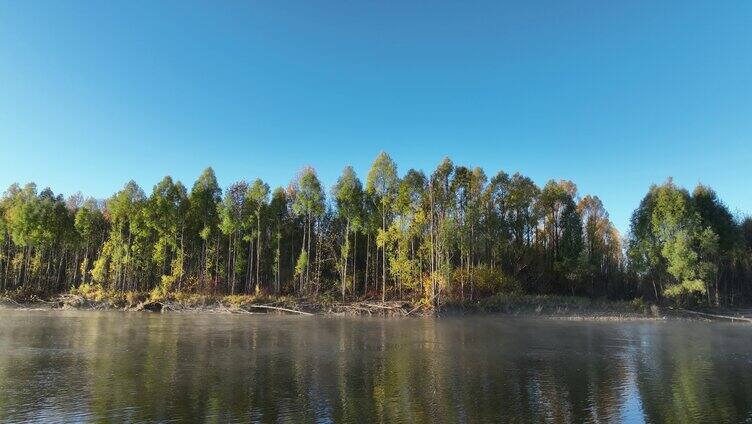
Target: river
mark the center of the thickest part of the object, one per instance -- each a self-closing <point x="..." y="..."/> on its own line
<point x="74" y="366"/>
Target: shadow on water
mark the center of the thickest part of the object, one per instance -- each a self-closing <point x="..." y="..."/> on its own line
<point x="112" y="366"/>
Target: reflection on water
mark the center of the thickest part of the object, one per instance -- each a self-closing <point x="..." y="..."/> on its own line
<point x="111" y="366"/>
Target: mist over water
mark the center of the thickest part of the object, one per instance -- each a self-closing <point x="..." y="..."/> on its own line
<point x="115" y="366"/>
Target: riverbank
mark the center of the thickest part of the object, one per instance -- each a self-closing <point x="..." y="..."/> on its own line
<point x="233" y="304"/>
<point x="562" y="307"/>
<point x="555" y="307"/>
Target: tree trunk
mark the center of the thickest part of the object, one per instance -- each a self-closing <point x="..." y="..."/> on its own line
<point x="345" y="259"/>
<point x="249" y="274"/>
<point x="368" y="260"/>
<point x="383" y="255"/>
<point x="258" y="251"/>
<point x="279" y="260"/>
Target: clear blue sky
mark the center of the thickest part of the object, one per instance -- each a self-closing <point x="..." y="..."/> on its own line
<point x="613" y="95"/>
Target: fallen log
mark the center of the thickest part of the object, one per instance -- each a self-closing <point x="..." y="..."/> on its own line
<point x="716" y="316"/>
<point x="413" y="310"/>
<point x="382" y="306"/>
<point x="277" y="308"/>
<point x="8" y="299"/>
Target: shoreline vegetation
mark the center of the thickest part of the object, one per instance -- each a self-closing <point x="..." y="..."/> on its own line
<point x="402" y="244"/>
<point x="514" y="305"/>
<point x="564" y="307"/>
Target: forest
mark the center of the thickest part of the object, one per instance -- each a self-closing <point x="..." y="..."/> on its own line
<point x="454" y="235"/>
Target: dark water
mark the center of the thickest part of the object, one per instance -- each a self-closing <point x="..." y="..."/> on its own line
<point x="89" y="366"/>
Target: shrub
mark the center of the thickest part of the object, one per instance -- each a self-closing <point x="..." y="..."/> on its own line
<point x="488" y="281"/>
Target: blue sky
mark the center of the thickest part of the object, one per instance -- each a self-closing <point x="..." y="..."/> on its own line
<point x="612" y="95"/>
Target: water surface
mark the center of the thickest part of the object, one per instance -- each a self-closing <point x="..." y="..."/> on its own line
<point x="114" y="366"/>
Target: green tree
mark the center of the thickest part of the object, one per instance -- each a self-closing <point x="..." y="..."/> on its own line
<point x="258" y="198"/>
<point x="308" y="202"/>
<point x="117" y="264"/>
<point x="601" y="243"/>
<point x="233" y="212"/>
<point x="165" y="214"/>
<point x="571" y="243"/>
<point x="382" y="184"/>
<point x="92" y="228"/>
<point x="203" y="216"/>
<point x="720" y="248"/>
<point x="348" y="196"/>
<point x="441" y="200"/>
<point x="409" y="228"/>
<point x="279" y="212"/>
<point x="670" y="244"/>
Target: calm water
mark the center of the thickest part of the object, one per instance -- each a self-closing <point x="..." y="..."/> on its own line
<point x="112" y="366"/>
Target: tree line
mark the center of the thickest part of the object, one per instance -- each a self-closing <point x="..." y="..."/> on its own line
<point x="453" y="235"/>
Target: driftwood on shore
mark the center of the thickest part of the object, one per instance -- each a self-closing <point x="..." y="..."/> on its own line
<point x="556" y="308"/>
<point x="304" y="307"/>
<point x="716" y="316"/>
<point x="277" y="308"/>
<point x="390" y="308"/>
